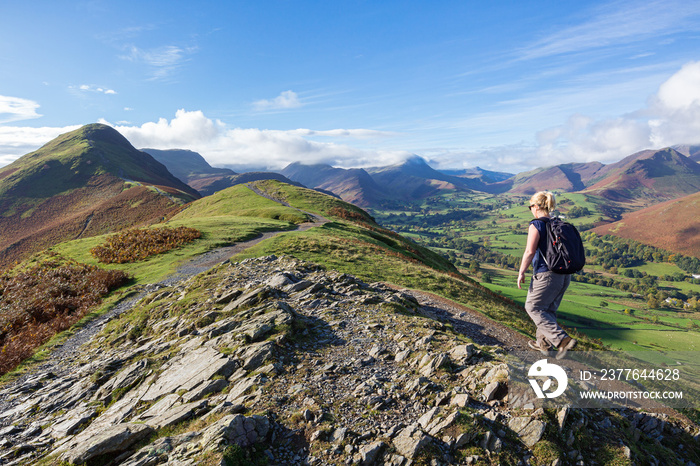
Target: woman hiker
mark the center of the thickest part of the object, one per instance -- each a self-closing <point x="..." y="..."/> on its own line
<point x="546" y="288"/>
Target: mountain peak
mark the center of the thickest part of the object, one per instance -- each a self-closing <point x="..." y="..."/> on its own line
<point x="102" y="132"/>
<point x="414" y="160"/>
<point x="76" y="185"/>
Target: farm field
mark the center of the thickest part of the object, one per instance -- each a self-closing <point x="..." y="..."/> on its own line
<point x="486" y="235"/>
<point x="581" y="310"/>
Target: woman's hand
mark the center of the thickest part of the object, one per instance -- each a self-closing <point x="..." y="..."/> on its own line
<point x="533" y="237"/>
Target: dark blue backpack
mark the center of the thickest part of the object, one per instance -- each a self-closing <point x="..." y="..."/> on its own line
<point x="564" y="253"/>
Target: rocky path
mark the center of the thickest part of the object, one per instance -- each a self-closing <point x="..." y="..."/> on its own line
<point x="63" y="357"/>
<point x="479" y="328"/>
<point x="297" y="365"/>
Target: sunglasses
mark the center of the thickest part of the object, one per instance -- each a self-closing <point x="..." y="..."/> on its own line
<point x="531" y="206"/>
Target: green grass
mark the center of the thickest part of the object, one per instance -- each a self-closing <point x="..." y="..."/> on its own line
<point x="581" y="310"/>
<point x="503" y="215"/>
<point x="658" y="269"/>
<point x="240" y="201"/>
<point x="227" y="217"/>
<point x="216" y="232"/>
<point x="310" y="200"/>
<point x="353" y="250"/>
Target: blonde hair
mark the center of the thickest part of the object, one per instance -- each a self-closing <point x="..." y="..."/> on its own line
<point x="544" y="200"/>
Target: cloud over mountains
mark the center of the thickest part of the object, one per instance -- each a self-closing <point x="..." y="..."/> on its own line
<point x="257" y="148"/>
<point x="670" y="116"/>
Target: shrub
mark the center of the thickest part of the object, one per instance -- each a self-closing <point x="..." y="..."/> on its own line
<point x="138" y="244"/>
<point x="38" y="303"/>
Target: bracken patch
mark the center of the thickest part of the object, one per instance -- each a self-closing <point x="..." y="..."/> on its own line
<point x="138" y="244"/>
<point x="38" y="303"/>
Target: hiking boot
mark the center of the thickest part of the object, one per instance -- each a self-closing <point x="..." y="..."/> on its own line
<point x="543" y="347"/>
<point x="565" y="345"/>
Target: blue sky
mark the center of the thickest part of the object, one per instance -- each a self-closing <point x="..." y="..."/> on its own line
<point x="504" y="85"/>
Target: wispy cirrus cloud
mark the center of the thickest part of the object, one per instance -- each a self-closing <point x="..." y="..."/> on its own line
<point x="162" y="61"/>
<point x="616" y="23"/>
<point x="17" y="109"/>
<point x="286" y="100"/>
<point x="91" y="88"/>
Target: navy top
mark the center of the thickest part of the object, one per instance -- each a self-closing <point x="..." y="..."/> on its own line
<point x="538" y="263"/>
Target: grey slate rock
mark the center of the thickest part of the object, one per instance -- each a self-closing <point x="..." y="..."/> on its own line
<point x="411" y="441"/>
<point x="114" y="439"/>
<point x="528" y="429"/>
<point x="187" y="372"/>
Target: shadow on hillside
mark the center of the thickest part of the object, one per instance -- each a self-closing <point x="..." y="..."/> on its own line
<point x="313" y="333"/>
<point x="476" y="332"/>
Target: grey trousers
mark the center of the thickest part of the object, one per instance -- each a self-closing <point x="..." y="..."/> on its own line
<point x="543" y="298"/>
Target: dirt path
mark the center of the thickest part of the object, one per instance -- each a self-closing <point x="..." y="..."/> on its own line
<point x="478" y="327"/>
<point x="63" y="355"/>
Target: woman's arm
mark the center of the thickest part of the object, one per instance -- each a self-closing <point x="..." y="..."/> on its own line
<point x="533" y="237"/>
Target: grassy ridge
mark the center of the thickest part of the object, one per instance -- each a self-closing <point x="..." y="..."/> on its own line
<point x="361" y="248"/>
<point x="349" y="249"/>
<point x="239" y="201"/>
<point x="351" y="243"/>
<point x="230" y="216"/>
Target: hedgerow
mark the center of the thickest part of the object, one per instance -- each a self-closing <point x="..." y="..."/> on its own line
<point x="40" y="302"/>
<point x="138" y="244"/>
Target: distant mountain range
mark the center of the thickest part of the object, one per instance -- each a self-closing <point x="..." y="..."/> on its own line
<point x="640" y="179"/>
<point x="566" y="177"/>
<point x="86" y="182"/>
<point x="191" y="168"/>
<point x="647" y="177"/>
<point x="410" y="180"/>
<point x="92" y="181"/>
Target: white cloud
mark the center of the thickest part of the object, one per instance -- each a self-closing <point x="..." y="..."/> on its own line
<point x="671" y="117"/>
<point x="17" y="141"/>
<point x="90" y="88"/>
<point x="584" y="140"/>
<point x="17" y="109"/>
<point x="255" y="148"/>
<point x="284" y="101"/>
<point x="682" y="90"/>
<point x="512" y="158"/>
<point x="346" y="133"/>
<point x="163" y="61"/>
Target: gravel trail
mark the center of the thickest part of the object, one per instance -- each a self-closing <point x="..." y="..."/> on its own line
<point x="478" y="327"/>
<point x="63" y="357"/>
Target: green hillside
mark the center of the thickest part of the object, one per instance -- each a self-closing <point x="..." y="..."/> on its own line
<point x="83" y="183"/>
<point x="72" y="160"/>
<point x="630" y="296"/>
<point x="349" y="242"/>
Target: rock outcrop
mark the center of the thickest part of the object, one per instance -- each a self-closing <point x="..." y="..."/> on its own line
<point x="278" y="361"/>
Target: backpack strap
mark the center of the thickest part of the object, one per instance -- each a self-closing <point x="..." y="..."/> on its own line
<point x="542" y="219"/>
<point x="543" y="254"/>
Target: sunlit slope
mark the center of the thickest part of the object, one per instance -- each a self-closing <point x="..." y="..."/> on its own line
<point x="230" y="216"/>
<point x="83" y="183"/>
<point x="672" y="225"/>
<point x="353" y="243"/>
